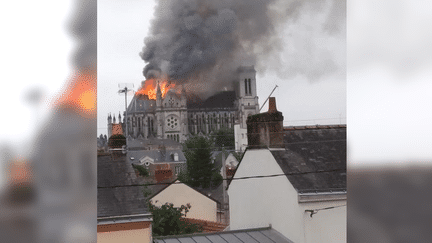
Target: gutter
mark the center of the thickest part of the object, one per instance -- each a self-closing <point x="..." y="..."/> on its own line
<point x="321" y="196"/>
<point x="124" y="219"/>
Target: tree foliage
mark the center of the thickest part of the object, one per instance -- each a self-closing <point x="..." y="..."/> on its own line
<point x="142" y="171"/>
<point x="200" y="168"/>
<point x="224" y="137"/>
<point x="167" y="220"/>
<point x="117" y="141"/>
<point x="238" y="155"/>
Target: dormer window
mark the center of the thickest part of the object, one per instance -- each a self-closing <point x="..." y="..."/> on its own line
<point x="176" y="158"/>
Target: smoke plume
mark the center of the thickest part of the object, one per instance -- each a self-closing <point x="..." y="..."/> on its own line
<point x="203" y="42"/>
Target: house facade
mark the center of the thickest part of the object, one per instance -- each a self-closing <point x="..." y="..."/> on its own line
<point x="301" y="189"/>
<point x="203" y="207"/>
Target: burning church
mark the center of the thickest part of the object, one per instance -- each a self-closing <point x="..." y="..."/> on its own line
<point x="199" y="68"/>
<point x="162" y="110"/>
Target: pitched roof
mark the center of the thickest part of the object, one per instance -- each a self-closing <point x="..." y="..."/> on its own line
<point x="319" y="151"/>
<point x="221" y="100"/>
<point x="117" y="201"/>
<point x="140" y="144"/>
<point x="158" y="156"/>
<point x="140" y="103"/>
<point x="201" y="191"/>
<point x="260" y="235"/>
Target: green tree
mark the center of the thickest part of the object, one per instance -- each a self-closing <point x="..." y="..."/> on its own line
<point x="200" y="168"/>
<point x="238" y="155"/>
<point x="117" y="141"/>
<point x="142" y="171"/>
<point x="224" y="137"/>
<point x="167" y="220"/>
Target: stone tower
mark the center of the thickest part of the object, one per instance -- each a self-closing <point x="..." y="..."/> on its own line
<point x="247" y="94"/>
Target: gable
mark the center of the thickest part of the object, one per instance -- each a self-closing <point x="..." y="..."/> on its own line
<point x="171" y="100"/>
<point x="179" y="188"/>
<point x="146" y="160"/>
<point x="202" y="207"/>
<point x="231" y="160"/>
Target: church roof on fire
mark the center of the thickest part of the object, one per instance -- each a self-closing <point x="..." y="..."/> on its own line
<point x="141" y="103"/>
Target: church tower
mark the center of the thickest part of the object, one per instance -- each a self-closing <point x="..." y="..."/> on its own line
<point x="159" y="114"/>
<point x="247" y="102"/>
<point x="109" y="125"/>
<point x="248" y="99"/>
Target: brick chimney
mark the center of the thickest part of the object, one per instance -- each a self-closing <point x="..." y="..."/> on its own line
<point x="272" y="105"/>
<point x="265" y="130"/>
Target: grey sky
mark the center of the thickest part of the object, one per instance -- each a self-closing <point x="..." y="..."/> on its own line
<point x="307" y="46"/>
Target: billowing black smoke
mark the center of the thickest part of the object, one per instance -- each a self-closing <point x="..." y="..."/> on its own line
<point x="202" y="42"/>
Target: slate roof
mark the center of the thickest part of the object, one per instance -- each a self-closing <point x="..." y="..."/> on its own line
<point x="139" y="144"/>
<point x="140" y="103"/>
<point x="214" y="193"/>
<point x="158" y="156"/>
<point x="260" y="235"/>
<point x="319" y="151"/>
<point x="221" y="100"/>
<point x="117" y="201"/>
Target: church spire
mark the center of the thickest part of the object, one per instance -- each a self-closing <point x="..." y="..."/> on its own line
<point x="158" y="96"/>
<point x="158" y="92"/>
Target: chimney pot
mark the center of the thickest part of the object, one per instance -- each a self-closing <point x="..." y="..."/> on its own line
<point x="272" y="105"/>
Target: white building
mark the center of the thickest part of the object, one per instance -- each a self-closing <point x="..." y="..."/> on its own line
<point x="306" y="202"/>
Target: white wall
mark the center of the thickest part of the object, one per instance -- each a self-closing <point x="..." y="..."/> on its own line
<point x="263" y="201"/>
<point x="240" y="137"/>
<point x="180" y="194"/>
<point x="326" y="225"/>
<point x="126" y="236"/>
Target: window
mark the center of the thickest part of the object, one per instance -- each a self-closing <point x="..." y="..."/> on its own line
<point x="177" y="170"/>
<point x="250" y="88"/>
<point x="246" y="86"/>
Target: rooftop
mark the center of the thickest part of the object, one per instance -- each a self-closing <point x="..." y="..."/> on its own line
<point x="320" y="151"/>
<point x="221" y="100"/>
<point x="159" y="156"/>
<point x="260" y="235"/>
<point x="117" y="201"/>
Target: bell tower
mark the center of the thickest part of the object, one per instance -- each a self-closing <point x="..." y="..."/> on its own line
<point x="248" y="99"/>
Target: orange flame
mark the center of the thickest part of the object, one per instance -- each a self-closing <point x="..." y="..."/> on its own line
<point x="150" y="88"/>
<point x="80" y="95"/>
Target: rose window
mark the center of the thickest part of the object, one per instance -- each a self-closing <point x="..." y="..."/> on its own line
<point x="172" y="122"/>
